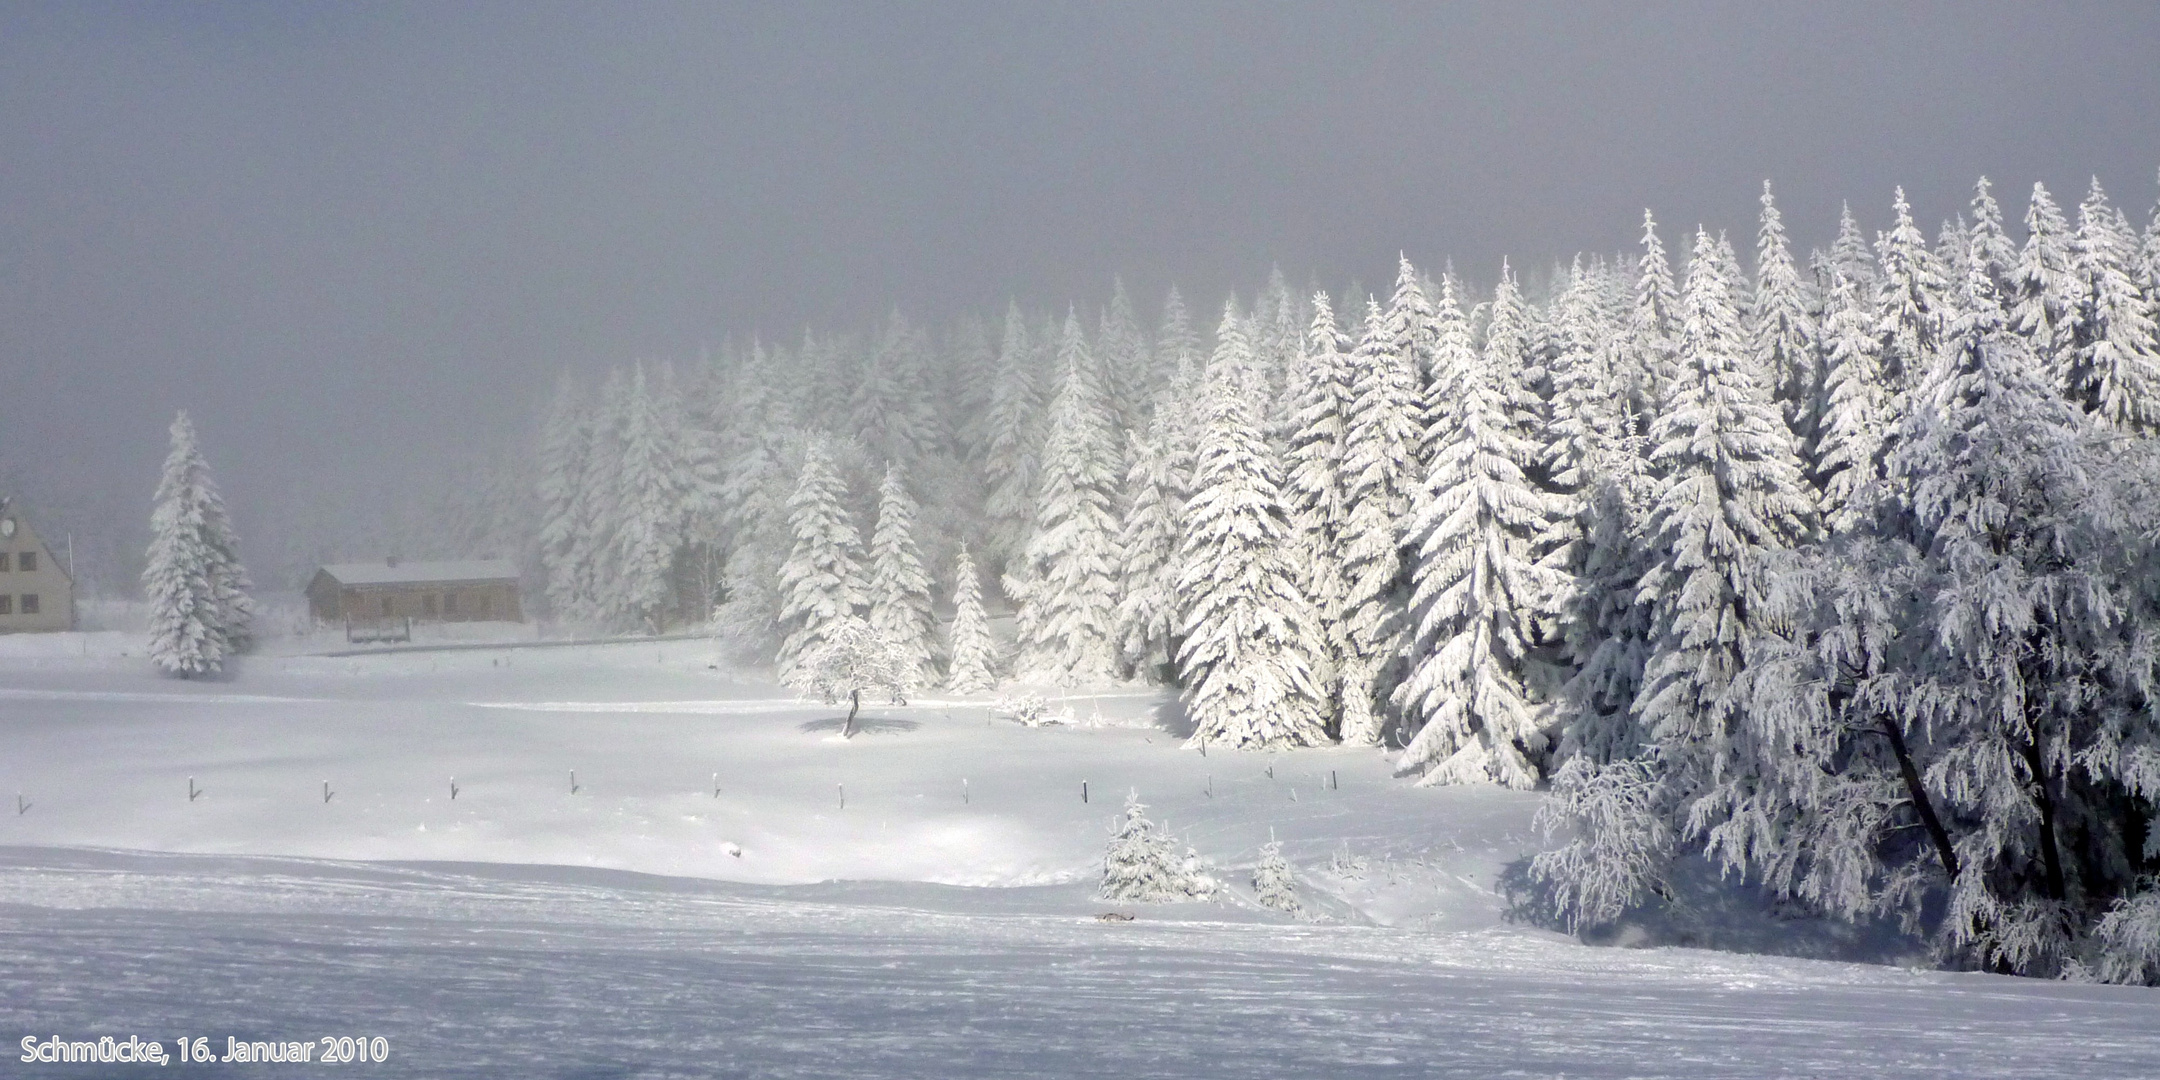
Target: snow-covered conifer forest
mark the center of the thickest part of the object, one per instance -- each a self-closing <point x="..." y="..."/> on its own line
<point x="1834" y="567"/>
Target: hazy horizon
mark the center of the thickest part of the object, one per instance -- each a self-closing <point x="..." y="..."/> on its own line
<point x="359" y="242"/>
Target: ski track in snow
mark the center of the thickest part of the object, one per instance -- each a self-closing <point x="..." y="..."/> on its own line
<point x="536" y="972"/>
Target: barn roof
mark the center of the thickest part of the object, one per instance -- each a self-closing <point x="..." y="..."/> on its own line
<point x="401" y="572"/>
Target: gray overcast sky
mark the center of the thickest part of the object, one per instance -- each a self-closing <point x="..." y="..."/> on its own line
<point x="353" y="236"/>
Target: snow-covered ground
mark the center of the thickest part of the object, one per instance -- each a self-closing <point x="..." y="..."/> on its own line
<point x="939" y="923"/>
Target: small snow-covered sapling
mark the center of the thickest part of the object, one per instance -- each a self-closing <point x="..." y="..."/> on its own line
<point x="193" y="793"/>
<point x="573" y="782"/>
<point x="453" y="789"/>
<point x="22" y="806"/>
<point x="326" y="791"/>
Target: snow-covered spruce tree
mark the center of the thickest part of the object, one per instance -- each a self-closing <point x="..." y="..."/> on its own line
<point x="696" y="414"/>
<point x="1517" y="373"/>
<point x="1128" y="370"/>
<point x="1158" y="482"/>
<point x="1583" y="421"/>
<point x="599" y="511"/>
<point x="198" y="593"/>
<point x="1253" y="649"/>
<point x="1177" y="344"/>
<point x="1909" y="302"/>
<point x="649" y="497"/>
<point x="1730" y="494"/>
<point x="565" y="439"/>
<point x="1067" y="588"/>
<point x="821" y="582"/>
<point x="1856" y="410"/>
<point x="1654" y="326"/>
<point x="1988" y="245"/>
<point x="1480" y="591"/>
<point x="1322" y="389"/>
<point x="1596" y="463"/>
<point x="2043" y="286"/>
<point x="1784" y="334"/>
<point x="973" y="667"/>
<point x="1142" y="863"/>
<point x="1410" y="328"/>
<point x="899" y="586"/>
<point x="755" y="486"/>
<point x="1273" y="883"/>
<point x="1148" y="538"/>
<point x="1277" y="334"/>
<point x="2112" y="363"/>
<point x="963" y="386"/>
<point x="1011" y="452"/>
<point x="1852" y="255"/>
<point x="849" y="660"/>
<point x="1953" y="257"/>
<point x="1380" y="469"/>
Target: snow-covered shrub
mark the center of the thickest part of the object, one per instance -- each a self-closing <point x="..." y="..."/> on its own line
<point x="1621" y="842"/>
<point x="1273" y="883"/>
<point x="1142" y="862"/>
<point x="1030" y="710"/>
<point x="852" y="659"/>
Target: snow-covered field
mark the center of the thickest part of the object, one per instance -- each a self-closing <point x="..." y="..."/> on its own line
<point x="939" y="923"/>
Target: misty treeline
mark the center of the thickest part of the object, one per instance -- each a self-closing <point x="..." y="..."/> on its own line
<point x="1839" y="573"/>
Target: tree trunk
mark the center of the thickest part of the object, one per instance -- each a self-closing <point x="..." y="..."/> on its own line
<point x="847" y="730"/>
<point x="2050" y="852"/>
<point x="1921" y="804"/>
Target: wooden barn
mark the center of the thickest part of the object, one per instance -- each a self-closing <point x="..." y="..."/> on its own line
<point x="471" y="590"/>
<point x="36" y="593"/>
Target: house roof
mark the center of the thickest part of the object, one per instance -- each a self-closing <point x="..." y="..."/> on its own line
<point x="401" y="572"/>
<point x="22" y="534"/>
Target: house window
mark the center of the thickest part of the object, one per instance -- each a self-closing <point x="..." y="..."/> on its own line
<point x="449" y="603"/>
<point x="3" y="562"/>
<point x="386" y="607"/>
<point x="7" y="604"/>
<point x="26" y="562"/>
<point x="483" y="605"/>
<point x="29" y="603"/>
<point x="427" y="603"/>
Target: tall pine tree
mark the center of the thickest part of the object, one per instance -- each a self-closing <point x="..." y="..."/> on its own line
<point x="821" y="582"/>
<point x="973" y="667"/>
<point x="899" y="586"/>
<point x="1480" y="590"/>
<point x="1068" y="585"/>
<point x="1380" y="472"/>
<point x="2111" y="365"/>
<point x="1322" y="395"/>
<point x="200" y="611"/>
<point x="1252" y="645"/>
<point x="1731" y="494"/>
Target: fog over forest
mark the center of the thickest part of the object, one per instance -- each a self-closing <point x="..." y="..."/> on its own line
<point x="360" y="245"/>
